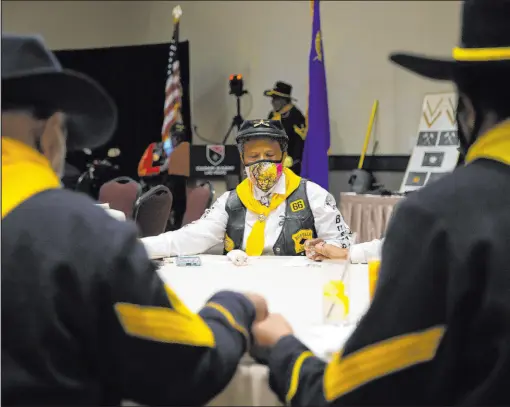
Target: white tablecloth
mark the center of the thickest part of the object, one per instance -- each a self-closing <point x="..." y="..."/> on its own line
<point x="292" y="286"/>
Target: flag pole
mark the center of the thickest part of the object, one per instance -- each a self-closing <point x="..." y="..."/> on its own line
<point x="177" y="13"/>
<point x="368" y="134"/>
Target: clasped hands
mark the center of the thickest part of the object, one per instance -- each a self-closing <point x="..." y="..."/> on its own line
<point x="267" y="328"/>
<point x="318" y="250"/>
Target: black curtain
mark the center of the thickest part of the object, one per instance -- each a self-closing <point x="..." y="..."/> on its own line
<point x="135" y="77"/>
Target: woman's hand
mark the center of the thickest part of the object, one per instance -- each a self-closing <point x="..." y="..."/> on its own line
<point x="318" y="250"/>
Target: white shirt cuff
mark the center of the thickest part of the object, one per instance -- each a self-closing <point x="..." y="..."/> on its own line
<point x="156" y="246"/>
<point x="357" y="254"/>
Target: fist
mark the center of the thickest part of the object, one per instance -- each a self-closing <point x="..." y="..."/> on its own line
<point x="260" y="304"/>
<point x="269" y="331"/>
<point x="238" y="257"/>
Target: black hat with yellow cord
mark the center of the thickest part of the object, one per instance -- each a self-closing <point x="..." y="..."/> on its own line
<point x="280" y="89"/>
<point x="485" y="41"/>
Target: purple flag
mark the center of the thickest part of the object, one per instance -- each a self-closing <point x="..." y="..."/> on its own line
<point x="315" y="165"/>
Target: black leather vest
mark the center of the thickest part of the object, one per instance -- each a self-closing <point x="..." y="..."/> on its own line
<point x="298" y="225"/>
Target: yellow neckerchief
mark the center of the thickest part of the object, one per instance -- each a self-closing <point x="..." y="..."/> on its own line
<point x="25" y="172"/>
<point x="255" y="242"/>
<point x="283" y="110"/>
<point x="493" y="145"/>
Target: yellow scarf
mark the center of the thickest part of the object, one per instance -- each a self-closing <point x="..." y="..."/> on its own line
<point x="25" y="172"/>
<point x="255" y="242"/>
<point x="493" y="145"/>
<point x="283" y="110"/>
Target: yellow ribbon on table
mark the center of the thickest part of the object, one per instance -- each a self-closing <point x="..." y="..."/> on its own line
<point x="335" y="291"/>
<point x="255" y="242"/>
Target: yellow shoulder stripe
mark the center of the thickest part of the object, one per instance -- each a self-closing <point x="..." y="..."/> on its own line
<point x="172" y="325"/>
<point x="344" y="375"/>
<point x="300" y="131"/>
<point x="294" y="379"/>
<point x="230" y="318"/>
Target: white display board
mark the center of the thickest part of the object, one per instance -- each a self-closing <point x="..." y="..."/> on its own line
<point x="435" y="152"/>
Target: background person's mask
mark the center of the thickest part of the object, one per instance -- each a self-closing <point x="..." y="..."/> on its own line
<point x="264" y="174"/>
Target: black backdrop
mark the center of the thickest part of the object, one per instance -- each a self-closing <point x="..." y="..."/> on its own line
<point x="135" y="77"/>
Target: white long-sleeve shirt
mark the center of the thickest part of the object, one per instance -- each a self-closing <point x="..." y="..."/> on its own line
<point x="209" y="231"/>
<point x="362" y="252"/>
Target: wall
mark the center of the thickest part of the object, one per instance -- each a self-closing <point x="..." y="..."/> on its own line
<point x="268" y="41"/>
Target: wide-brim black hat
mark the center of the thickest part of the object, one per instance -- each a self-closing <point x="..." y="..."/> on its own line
<point x="280" y="89"/>
<point x="33" y="77"/>
<point x="485" y="41"/>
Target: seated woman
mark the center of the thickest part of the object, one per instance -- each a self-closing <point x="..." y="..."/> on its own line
<point x="318" y="250"/>
<point x="273" y="211"/>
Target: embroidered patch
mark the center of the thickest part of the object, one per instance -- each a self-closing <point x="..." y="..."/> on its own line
<point x="297" y="206"/>
<point x="300" y="237"/>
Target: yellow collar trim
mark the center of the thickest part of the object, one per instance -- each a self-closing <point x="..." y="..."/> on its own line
<point x="25" y="172"/>
<point x="493" y="145"/>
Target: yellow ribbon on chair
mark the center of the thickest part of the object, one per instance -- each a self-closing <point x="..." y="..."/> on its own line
<point x="255" y="242"/>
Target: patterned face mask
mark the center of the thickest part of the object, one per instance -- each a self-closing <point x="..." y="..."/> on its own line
<point x="264" y="174"/>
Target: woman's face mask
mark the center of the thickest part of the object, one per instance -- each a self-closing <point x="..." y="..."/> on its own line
<point x="264" y="174"/>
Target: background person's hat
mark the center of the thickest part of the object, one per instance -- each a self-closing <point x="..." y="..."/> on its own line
<point x="280" y="89"/>
<point x="32" y="76"/>
<point x="485" y="41"/>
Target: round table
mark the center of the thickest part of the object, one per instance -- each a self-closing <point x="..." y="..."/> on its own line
<point x="293" y="286"/>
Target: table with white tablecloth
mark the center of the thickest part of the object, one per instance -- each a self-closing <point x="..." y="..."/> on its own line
<point x="293" y="286"/>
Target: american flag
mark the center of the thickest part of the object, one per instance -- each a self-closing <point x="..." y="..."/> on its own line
<point x="173" y="88"/>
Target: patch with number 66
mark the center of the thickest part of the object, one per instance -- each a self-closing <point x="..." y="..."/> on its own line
<point x="297" y="206"/>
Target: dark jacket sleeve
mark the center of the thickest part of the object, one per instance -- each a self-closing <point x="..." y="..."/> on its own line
<point x="298" y="123"/>
<point x="161" y="353"/>
<point x="398" y="353"/>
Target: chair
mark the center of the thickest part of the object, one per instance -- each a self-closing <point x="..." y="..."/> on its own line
<point x="152" y="210"/>
<point x="121" y="194"/>
<point x="199" y="199"/>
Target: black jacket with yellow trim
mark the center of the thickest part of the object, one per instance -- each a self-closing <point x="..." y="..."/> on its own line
<point x="86" y="320"/>
<point x="438" y="330"/>
<point x="294" y="124"/>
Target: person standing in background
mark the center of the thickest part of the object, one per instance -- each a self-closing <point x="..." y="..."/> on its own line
<point x="293" y="122"/>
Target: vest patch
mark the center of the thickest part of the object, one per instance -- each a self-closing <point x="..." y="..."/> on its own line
<point x="299" y="239"/>
<point x="297" y="206"/>
<point x="229" y="243"/>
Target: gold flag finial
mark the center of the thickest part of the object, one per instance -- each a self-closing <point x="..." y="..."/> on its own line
<point x="177" y="13"/>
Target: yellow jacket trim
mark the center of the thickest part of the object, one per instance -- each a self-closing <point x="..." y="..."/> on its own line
<point x="25" y="173"/>
<point x="171" y="325"/>
<point x="493" y="145"/>
<point x="283" y="110"/>
<point x="481" y="54"/>
<point x="373" y="362"/>
<point x="300" y="131"/>
<point x="255" y="241"/>
<point x="294" y="379"/>
<point x="230" y="319"/>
